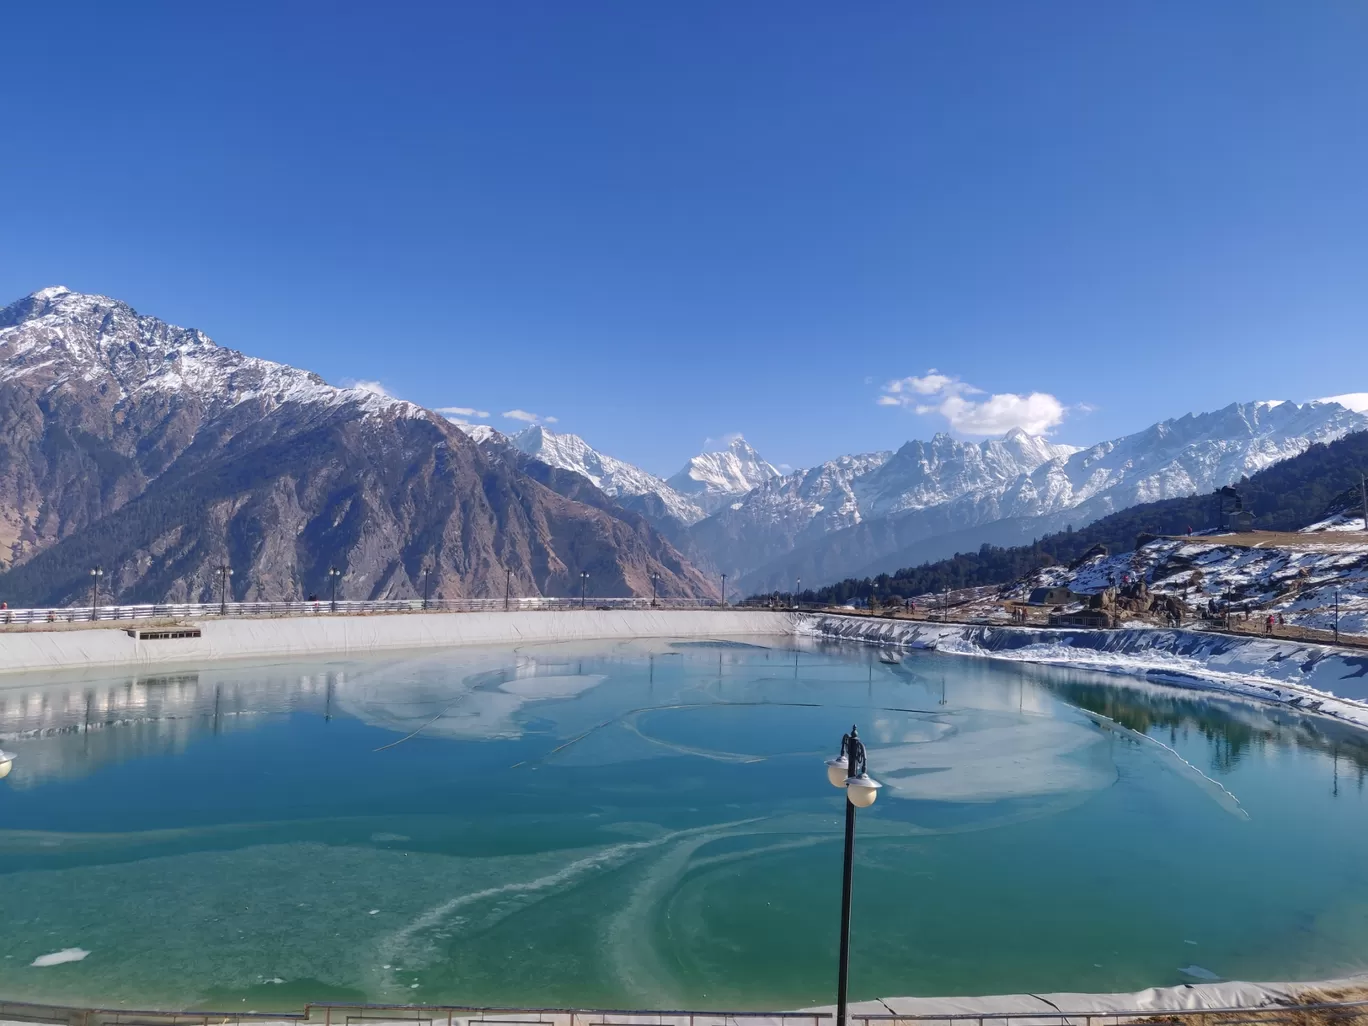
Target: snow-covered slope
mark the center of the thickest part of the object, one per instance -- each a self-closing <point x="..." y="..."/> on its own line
<point x="770" y="520"/>
<point x="715" y="479"/>
<point x="1190" y="454"/>
<point x="1304" y="582"/>
<point x="614" y="477"/>
<point x="923" y="474"/>
<point x="65" y="338"/>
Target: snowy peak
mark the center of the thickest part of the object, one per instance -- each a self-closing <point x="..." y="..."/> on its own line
<point x="923" y="474"/>
<point x="478" y="433"/>
<point x="712" y="479"/>
<point x="613" y="477"/>
<point x="60" y="337"/>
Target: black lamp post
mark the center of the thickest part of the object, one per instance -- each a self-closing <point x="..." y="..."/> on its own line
<point x="427" y="575"/>
<point x="655" y="579"/>
<point x="724" y="589"/>
<point x="584" y="584"/>
<point x="333" y="575"/>
<point x="1336" y="616"/>
<point x="224" y="572"/>
<point x="508" y="587"/>
<point x="95" y="574"/>
<point x="848" y="770"/>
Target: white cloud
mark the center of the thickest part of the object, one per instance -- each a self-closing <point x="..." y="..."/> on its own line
<point x="932" y="383"/>
<point x="1356" y="401"/>
<point x="933" y="392"/>
<point x="371" y="386"/>
<point x="527" y="418"/>
<point x="721" y="443"/>
<point x="452" y="412"/>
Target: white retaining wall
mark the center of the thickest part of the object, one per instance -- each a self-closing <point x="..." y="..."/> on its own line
<point x="357" y="635"/>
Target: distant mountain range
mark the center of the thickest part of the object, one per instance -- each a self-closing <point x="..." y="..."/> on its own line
<point x="158" y="455"/>
<point x="152" y="451"/>
<point x="865" y="514"/>
<point x="707" y="483"/>
<point x="930" y="500"/>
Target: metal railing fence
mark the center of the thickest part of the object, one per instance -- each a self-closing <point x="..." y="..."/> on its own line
<point x="1319" y="1013"/>
<point x="320" y="607"/>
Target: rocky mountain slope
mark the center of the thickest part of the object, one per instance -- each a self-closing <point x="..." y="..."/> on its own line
<point x="931" y="500"/>
<point x="146" y="448"/>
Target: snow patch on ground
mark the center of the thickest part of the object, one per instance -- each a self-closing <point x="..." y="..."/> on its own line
<point x="1315" y="678"/>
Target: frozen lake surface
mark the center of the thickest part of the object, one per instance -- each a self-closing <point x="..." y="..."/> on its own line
<point x="648" y="824"/>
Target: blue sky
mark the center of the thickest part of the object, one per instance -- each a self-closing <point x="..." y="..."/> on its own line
<point x="661" y="223"/>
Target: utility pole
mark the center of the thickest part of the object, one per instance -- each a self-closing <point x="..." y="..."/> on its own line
<point x="95" y="574"/>
<point x="724" y="589"/>
<point x="1363" y="485"/>
<point x="224" y="572"/>
<point x="508" y="586"/>
<point x="1337" y="616"/>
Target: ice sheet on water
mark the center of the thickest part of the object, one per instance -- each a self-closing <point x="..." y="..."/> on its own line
<point x="994" y="760"/>
<point x="545" y="688"/>
<point x="1197" y="972"/>
<point x="60" y="957"/>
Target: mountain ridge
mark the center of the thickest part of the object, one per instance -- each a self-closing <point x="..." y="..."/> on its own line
<point x="151" y="450"/>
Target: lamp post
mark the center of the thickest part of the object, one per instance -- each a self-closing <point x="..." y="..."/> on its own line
<point x="95" y="574"/>
<point x="584" y="584"/>
<point x="848" y="770"/>
<point x="333" y="575"/>
<point x="508" y="586"/>
<point x="427" y="575"/>
<point x="655" y="579"/>
<point x="224" y="572"/>
<point x="1337" y="616"/>
<point x="724" y="589"/>
<point x="797" y="594"/>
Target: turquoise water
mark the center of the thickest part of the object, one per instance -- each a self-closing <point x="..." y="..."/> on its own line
<point x="649" y="825"/>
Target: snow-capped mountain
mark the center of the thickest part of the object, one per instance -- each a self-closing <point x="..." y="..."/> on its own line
<point x="784" y="512"/>
<point x="930" y="500"/>
<point x="715" y="479"/>
<point x="63" y="337"/>
<point x="614" y="477"/>
<point x="149" y="450"/>
<point x="923" y="474"/>
<point x="801" y="508"/>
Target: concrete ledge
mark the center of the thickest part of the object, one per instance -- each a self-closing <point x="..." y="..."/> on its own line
<point x="356" y="635"/>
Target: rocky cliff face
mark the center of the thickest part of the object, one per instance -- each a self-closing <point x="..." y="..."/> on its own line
<point x="151" y="451"/>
